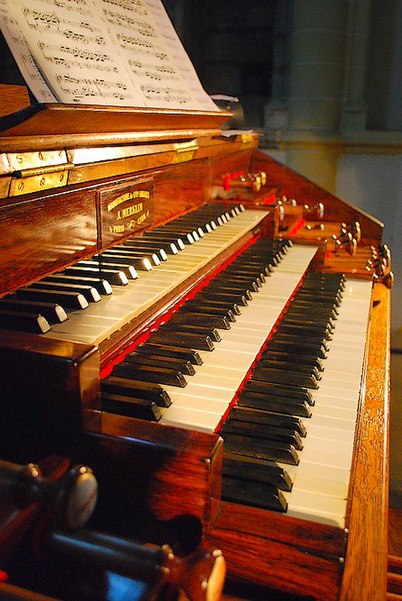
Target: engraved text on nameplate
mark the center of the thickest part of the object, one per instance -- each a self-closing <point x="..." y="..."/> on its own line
<point x="124" y="209"/>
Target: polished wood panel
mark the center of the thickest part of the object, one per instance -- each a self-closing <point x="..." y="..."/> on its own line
<point x="49" y="126"/>
<point x="368" y="524"/>
<point x="51" y="390"/>
<point x="42" y="233"/>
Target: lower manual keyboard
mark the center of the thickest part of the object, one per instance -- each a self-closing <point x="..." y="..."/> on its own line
<point x="203" y="402"/>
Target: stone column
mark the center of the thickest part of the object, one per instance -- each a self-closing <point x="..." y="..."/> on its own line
<point x="315" y="88"/>
<point x="354" y="109"/>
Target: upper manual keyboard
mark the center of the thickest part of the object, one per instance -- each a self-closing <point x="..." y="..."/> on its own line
<point x="91" y="300"/>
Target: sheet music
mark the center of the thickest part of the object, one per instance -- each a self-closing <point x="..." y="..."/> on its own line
<point x="29" y="70"/>
<point x="110" y="52"/>
<point x="179" y="56"/>
<point x="71" y="44"/>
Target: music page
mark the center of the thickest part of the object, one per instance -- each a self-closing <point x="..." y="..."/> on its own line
<point x="109" y="52"/>
<point x="179" y="56"/>
<point x="70" y="44"/>
<point x="26" y="63"/>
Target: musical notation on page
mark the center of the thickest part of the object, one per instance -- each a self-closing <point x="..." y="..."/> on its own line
<point x="99" y="52"/>
<point x="29" y="70"/>
<point x="71" y="46"/>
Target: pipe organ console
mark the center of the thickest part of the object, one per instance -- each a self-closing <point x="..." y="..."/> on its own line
<point x="208" y="331"/>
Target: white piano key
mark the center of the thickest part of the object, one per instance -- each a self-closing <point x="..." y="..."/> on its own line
<point x="321" y="485"/>
<point x="323" y="421"/>
<point x="305" y="472"/>
<point x="326" y="509"/>
<point x="191" y="419"/>
<point x="318" y="449"/>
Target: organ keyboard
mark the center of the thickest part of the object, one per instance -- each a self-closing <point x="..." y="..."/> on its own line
<point x="197" y="276"/>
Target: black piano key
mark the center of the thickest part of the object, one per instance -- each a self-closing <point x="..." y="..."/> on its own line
<point x="247" y="279"/>
<point x="285" y="435"/>
<point x="327" y="277"/>
<point x="318" y="300"/>
<point x="270" y="450"/>
<point x="148" y="373"/>
<point x="323" y="305"/>
<point x="223" y="279"/>
<point x="247" y="270"/>
<point x="184" y="223"/>
<point x="185" y="327"/>
<point x="305" y="330"/>
<point x="201" y="319"/>
<point x="185" y="236"/>
<point x="296" y="371"/>
<point x="202" y="309"/>
<point x="299" y="364"/>
<point x="323" y="292"/>
<point x="113" y="268"/>
<point x="166" y="238"/>
<point x="53" y="312"/>
<point x="182" y="230"/>
<point x="131" y="406"/>
<point x="115" y="277"/>
<point x="230" y="287"/>
<point x="313" y="350"/>
<point x="265" y="417"/>
<point x="298" y="317"/>
<point x="256" y="470"/>
<point x="163" y="249"/>
<point x="146" y="249"/>
<point x="262" y="261"/>
<point x="287" y="376"/>
<point x="146" y="244"/>
<point x="72" y="300"/>
<point x="109" y="260"/>
<point x="297" y="393"/>
<point x="214" y="302"/>
<point x="261" y="268"/>
<point x="138" y="261"/>
<point x="138" y="255"/>
<point x="170" y="350"/>
<point x="89" y="292"/>
<point x="238" y="299"/>
<point x="185" y="367"/>
<point x="187" y="340"/>
<point x="296" y="367"/>
<point x="136" y="388"/>
<point x="293" y="358"/>
<point x="289" y="406"/>
<point x="117" y="261"/>
<point x="24" y="322"/>
<point x="295" y="339"/>
<point x="319" y="330"/>
<point x="101" y="285"/>
<point x="325" y="313"/>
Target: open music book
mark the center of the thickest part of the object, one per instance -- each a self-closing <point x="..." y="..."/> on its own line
<point x="103" y="52"/>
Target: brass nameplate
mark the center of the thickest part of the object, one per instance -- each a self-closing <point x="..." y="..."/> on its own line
<point x="125" y="209"/>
